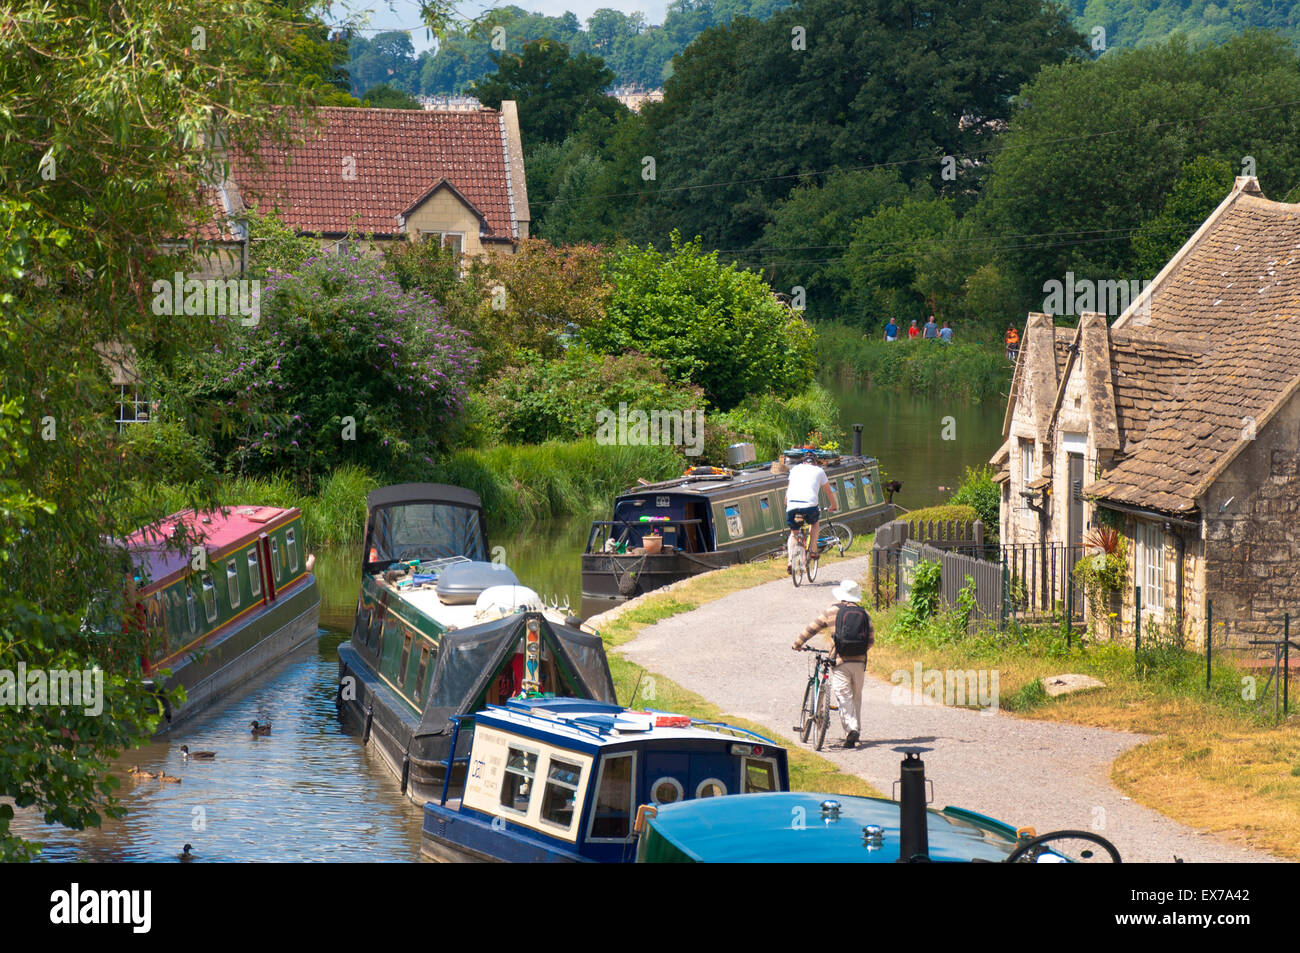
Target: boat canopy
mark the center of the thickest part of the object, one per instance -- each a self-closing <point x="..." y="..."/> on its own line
<point x="423" y="521"/>
<point x="470" y="660"/>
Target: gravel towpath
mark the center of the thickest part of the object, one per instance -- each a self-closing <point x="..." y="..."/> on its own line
<point x="736" y="652"/>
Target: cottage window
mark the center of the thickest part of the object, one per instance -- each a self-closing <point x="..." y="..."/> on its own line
<point x="1150" y="566"/>
<point x="1027" y="472"/>
<point x="132" y="406"/>
<point x="517" y="782"/>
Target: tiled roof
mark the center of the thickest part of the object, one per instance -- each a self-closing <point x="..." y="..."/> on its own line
<point x="1219" y="349"/>
<point x="361" y="168"/>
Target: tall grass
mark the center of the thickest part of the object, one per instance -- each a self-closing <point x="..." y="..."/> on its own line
<point x="969" y="371"/>
<point x="518" y="484"/>
<point x="775" y="424"/>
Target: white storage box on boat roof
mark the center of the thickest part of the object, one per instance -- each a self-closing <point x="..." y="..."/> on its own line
<point x="462" y="583"/>
<point x="501" y="601"/>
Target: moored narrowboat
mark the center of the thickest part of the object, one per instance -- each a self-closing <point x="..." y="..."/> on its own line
<point x="441" y="632"/>
<point x="709" y="518"/>
<point x="564" y="780"/>
<point x="222" y="595"/>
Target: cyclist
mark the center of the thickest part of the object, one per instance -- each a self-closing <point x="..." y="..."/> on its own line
<point x="852" y="637"/>
<point x="802" y="494"/>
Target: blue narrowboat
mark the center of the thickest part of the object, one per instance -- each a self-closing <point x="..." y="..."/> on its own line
<point x="564" y="779"/>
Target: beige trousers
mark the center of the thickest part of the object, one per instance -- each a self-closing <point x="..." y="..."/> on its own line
<point x="846" y="683"/>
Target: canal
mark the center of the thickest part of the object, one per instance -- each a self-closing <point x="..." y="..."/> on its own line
<point x="310" y="791"/>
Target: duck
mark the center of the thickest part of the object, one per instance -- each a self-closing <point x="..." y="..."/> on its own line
<point x="135" y="772"/>
<point x="189" y="755"/>
<point x="185" y="856"/>
<point x="164" y="776"/>
<point x="259" y="730"/>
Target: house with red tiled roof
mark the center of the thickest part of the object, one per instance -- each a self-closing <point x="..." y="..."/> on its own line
<point x="1178" y="425"/>
<point x="451" y="176"/>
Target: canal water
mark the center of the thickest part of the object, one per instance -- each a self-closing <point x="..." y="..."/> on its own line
<point x="310" y="791"/>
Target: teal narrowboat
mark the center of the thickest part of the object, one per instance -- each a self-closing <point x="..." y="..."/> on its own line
<point x="441" y="632"/>
<point x="221" y="595"/>
<point x="709" y="518"/>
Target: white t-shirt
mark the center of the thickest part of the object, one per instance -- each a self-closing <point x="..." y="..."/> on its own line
<point x="806" y="480"/>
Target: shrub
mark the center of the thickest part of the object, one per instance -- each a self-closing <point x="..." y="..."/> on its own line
<point x="775" y="424"/>
<point x="979" y="492"/>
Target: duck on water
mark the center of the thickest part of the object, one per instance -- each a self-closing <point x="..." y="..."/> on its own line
<point x="441" y="632"/>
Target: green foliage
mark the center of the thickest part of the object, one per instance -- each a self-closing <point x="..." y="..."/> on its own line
<point x="923" y="599"/>
<point x="1198" y="190"/>
<point x="169" y="453"/>
<point x="552" y="88"/>
<point x="384" y="96"/>
<point x="1102" y="573"/>
<point x="774" y="424"/>
<point x="706" y="324"/>
<point x="1130" y="23"/>
<point x="961" y="370"/>
<point x="941" y="513"/>
<point x="274" y="246"/>
<point x="560" y="399"/>
<point x="979" y="492"/>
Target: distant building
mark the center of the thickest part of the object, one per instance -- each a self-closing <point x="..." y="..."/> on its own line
<point x="1179" y="424"/>
<point x="634" y="97"/>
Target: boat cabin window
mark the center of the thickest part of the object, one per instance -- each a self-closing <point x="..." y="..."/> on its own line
<point x="517" y="781"/>
<point x="291" y="548"/>
<point x="425" y="531"/>
<point x="406" y="657"/>
<point x="758" y="774"/>
<point x="254" y="573"/>
<point x="192" y="607"/>
<point x="232" y="583"/>
<point x="209" y="597"/>
<point x="561" y="793"/>
<point x="275" y="558"/>
<point x="711" y="787"/>
<point x="422" y="672"/>
<point x="611" y="819"/>
<point x="851" y="491"/>
<point x="667" y="791"/>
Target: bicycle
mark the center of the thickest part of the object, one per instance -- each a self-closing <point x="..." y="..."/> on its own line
<point x="835" y="536"/>
<point x="815" y="714"/>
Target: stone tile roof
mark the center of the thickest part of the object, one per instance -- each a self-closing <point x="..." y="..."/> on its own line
<point x="1218" y="352"/>
<point x="362" y="168"/>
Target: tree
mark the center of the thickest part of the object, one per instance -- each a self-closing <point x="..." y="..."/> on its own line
<point x="1198" y="190"/>
<point x="552" y="88"/>
<point x="94" y="184"/>
<point x="704" y="323"/>
<point x="384" y="96"/>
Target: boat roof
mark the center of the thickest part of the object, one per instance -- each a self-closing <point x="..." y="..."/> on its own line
<point x="757" y="828"/>
<point x="737" y="479"/>
<point x="156" y="556"/>
<point x="592" y="725"/>
<point x="404" y="493"/>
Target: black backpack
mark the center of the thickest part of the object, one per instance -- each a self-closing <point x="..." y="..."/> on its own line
<point x="852" y="631"/>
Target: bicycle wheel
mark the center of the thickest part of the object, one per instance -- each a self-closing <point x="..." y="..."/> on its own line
<point x="823" y="714"/>
<point x="813" y="563"/>
<point x="808" y="712"/>
<point x="798" y="562"/>
<point x="838" y="536"/>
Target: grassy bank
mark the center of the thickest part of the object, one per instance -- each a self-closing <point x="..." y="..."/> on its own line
<point x="968" y="371"/>
<point x="1219" y="762"/>
<point x="808" y="771"/>
<point x="518" y="484"/>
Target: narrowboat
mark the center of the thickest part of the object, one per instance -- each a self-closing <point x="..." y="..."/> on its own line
<point x="710" y="518"/>
<point x="441" y="632"/>
<point x="562" y="780"/>
<point x="803" y="827"/>
<point x="222" y="594"/>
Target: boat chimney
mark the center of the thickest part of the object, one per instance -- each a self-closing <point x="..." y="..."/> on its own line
<point x="857" y="440"/>
<point x="913" y="840"/>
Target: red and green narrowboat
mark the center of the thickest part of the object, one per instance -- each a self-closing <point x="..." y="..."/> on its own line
<point x="223" y="595"/>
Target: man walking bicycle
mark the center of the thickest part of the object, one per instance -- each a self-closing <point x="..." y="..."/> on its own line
<point x="852" y="635"/>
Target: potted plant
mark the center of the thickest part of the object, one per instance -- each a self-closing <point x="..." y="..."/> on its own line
<point x="653" y="543"/>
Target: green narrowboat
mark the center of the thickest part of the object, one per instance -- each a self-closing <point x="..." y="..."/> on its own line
<point x="709" y="518"/>
<point x="441" y="633"/>
<point x="221" y="595"/>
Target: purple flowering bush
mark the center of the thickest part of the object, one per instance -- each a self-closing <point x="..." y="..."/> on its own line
<point x="344" y="366"/>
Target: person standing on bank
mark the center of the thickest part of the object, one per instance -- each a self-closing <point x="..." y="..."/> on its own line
<point x="852" y="635"/>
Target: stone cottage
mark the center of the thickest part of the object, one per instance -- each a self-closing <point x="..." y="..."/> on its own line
<point x="1178" y="424"/>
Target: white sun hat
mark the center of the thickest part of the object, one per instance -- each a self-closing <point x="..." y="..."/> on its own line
<point x="847" y="591"/>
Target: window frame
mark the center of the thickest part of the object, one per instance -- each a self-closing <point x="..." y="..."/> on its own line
<point x="1150" y="566"/>
<point x="718" y="781"/>
<point x="507" y="772"/>
<point x="744" y="774"/>
<point x="681" y="790"/>
<point x="208" y="586"/>
<point x="575" y="793"/>
<point x="605" y="761"/>
<point x="291" y="548"/>
<point x="232" y="582"/>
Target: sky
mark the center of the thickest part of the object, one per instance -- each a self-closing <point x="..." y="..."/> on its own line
<point x="405" y="14"/>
